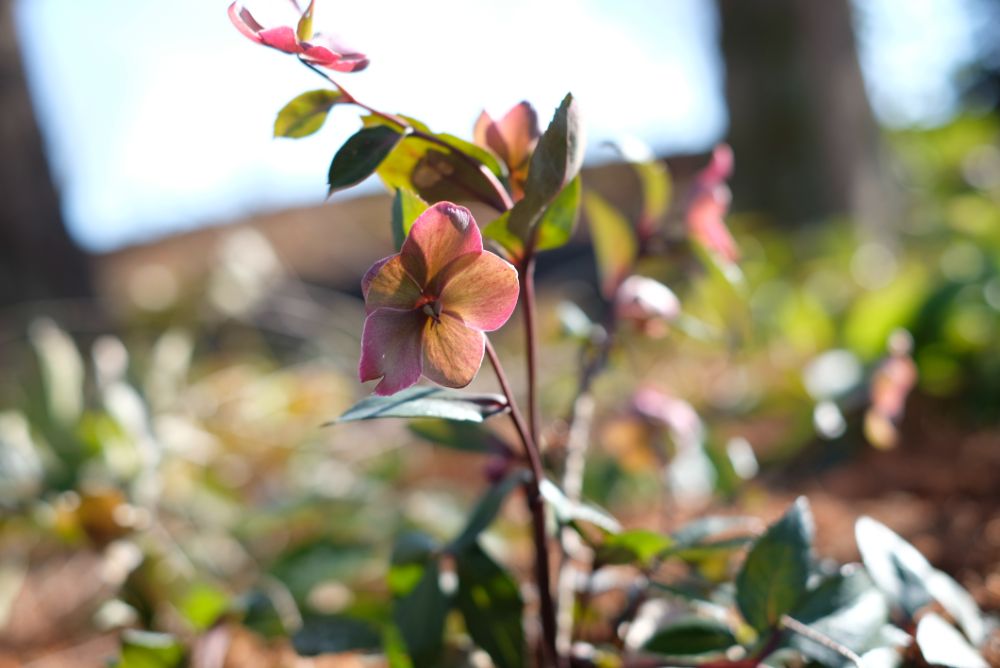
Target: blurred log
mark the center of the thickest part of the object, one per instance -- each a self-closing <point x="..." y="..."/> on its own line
<point x="38" y="260"/>
<point x="807" y="145"/>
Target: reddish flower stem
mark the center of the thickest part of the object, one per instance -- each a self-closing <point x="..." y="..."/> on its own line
<point x="534" y="498"/>
<point x="531" y="342"/>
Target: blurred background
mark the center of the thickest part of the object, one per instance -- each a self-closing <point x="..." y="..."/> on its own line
<point x="180" y="310"/>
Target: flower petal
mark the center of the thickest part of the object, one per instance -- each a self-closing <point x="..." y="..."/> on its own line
<point x="519" y="129"/>
<point x="441" y="234"/>
<point x="245" y="22"/>
<point x="388" y="285"/>
<point x="453" y="352"/>
<point x="281" y="38"/>
<point x="329" y="52"/>
<point x="483" y="294"/>
<point x="390" y="349"/>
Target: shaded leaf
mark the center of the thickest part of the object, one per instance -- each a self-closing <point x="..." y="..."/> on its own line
<point x="846" y="608"/>
<point x="694" y="635"/>
<point x="615" y="246"/>
<point x="305" y="114"/>
<point x="411" y="553"/>
<point x="941" y="644"/>
<point x="695" y="532"/>
<point x="361" y="155"/>
<point x="654" y="179"/>
<point x="331" y="634"/>
<point x="420" y="617"/>
<point x="406" y="207"/>
<point x="490" y="603"/>
<point x="773" y="578"/>
<point x="569" y="511"/>
<point x="486" y="510"/>
<point x="464" y="436"/>
<point x="425" y="401"/>
<point x="559" y="219"/>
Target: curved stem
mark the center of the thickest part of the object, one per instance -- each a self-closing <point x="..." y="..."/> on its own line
<point x="531" y="342"/>
<point x="534" y="498"/>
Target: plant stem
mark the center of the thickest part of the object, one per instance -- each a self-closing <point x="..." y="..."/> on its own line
<point x="531" y="342"/>
<point x="534" y="499"/>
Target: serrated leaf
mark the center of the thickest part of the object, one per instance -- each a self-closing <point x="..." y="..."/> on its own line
<point x="406" y="208"/>
<point x="569" y="511"/>
<point x="941" y="644"/>
<point x="361" y="155"/>
<point x="305" y="114"/>
<point x="144" y="649"/>
<point x="420" y="617"/>
<point x="486" y="510"/>
<point x="490" y="602"/>
<point x="463" y="436"/>
<point x="846" y="608"/>
<point x="615" y="246"/>
<point x="773" y="578"/>
<point x="638" y="546"/>
<point x="691" y="636"/>
<point x="434" y="402"/>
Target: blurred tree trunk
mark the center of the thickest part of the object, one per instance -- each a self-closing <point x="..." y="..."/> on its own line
<point x="37" y="258"/>
<point x="799" y="114"/>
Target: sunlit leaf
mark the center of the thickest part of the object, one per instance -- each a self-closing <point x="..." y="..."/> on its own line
<point x="615" y="246"/>
<point x="554" y="229"/>
<point x="896" y="567"/>
<point x="491" y="605"/>
<point x="638" y="546"/>
<point x="941" y="644"/>
<point x="434" y="402"/>
<point x="406" y="208"/>
<point x="202" y="605"/>
<point x="361" y="155"/>
<point x="305" y="114"/>
<point x="568" y="511"/>
<point x="846" y="608"/>
<point x="144" y="649"/>
<point x="691" y="636"/>
<point x="773" y="578"/>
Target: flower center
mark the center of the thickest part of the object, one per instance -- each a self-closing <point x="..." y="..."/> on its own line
<point x="432" y="309"/>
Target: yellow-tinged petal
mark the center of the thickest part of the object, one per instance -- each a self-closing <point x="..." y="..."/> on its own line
<point x="482" y="294"/>
<point x="453" y="352"/>
<point x="440" y="235"/>
<point x="388" y="285"/>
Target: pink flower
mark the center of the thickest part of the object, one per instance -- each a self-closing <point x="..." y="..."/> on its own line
<point x="706" y="216"/>
<point x="429" y="304"/>
<point x="648" y="303"/>
<point x="316" y="49"/>
<point x="513" y="139"/>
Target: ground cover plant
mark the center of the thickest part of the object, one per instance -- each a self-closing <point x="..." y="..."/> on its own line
<point x="567" y="584"/>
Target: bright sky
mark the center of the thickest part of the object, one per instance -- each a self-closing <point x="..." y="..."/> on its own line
<point x="158" y="116"/>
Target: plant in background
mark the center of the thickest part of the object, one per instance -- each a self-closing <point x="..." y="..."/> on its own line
<point x="717" y="592"/>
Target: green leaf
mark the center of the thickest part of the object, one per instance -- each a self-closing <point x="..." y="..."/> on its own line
<point x="556" y="161"/>
<point x="695" y="532"/>
<point x="464" y="436"/>
<point x="202" y="605"/>
<point x="896" y="567"/>
<point x="416" y="402"/>
<point x="361" y="155"/>
<point x="305" y="114"/>
<point x="406" y="208"/>
<point x="555" y="227"/>
<point x="441" y="167"/>
<point x="615" y="245"/>
<point x="654" y="179"/>
<point x="569" y="511"/>
<point x="411" y="553"/>
<point x="941" y="644"/>
<point x="773" y="578"/>
<point x="637" y="546"/>
<point x="420" y="617"/>
<point x="490" y="603"/>
<point x="332" y="634"/>
<point x="690" y="636"/>
<point x="846" y="608"/>
<point x="143" y="649"/>
<point x="486" y="510"/>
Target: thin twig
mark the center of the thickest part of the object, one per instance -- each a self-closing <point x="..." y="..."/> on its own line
<point x="821" y="639"/>
<point x="534" y="498"/>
